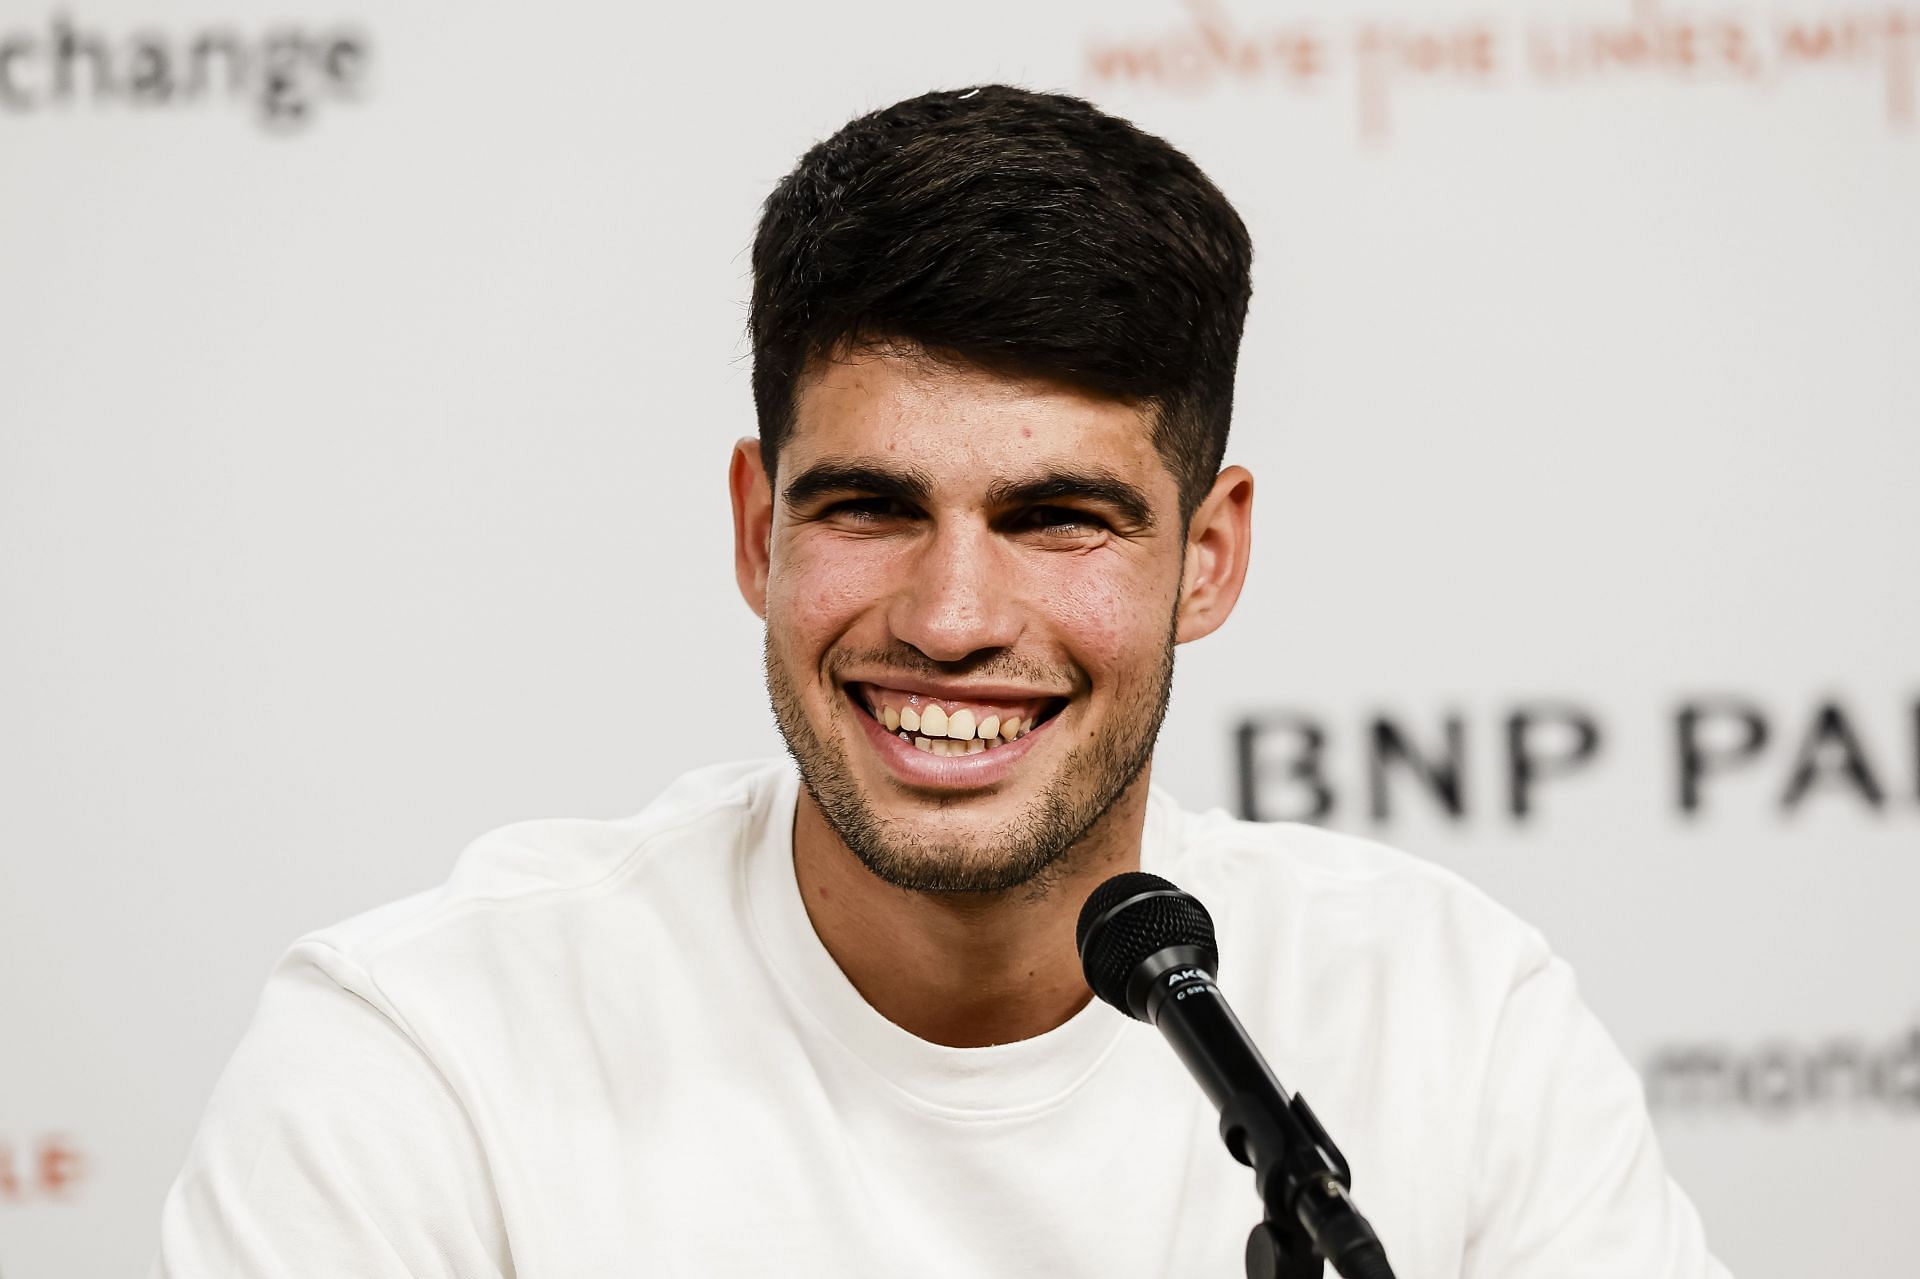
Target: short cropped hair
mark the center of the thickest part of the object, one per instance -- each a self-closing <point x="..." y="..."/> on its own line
<point x="1024" y="233"/>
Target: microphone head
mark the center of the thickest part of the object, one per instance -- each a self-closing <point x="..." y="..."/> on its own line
<point x="1130" y="918"/>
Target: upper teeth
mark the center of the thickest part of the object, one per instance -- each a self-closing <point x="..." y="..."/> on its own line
<point x="966" y="730"/>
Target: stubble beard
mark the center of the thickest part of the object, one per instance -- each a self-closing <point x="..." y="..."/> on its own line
<point x="1032" y="850"/>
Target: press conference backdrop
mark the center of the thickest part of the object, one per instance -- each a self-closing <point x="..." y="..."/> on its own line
<point x="367" y="377"/>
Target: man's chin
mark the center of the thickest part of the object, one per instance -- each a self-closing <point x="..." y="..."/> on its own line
<point x="955" y="870"/>
<point x="929" y="845"/>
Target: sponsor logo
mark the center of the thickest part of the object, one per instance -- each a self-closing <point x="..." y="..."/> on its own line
<point x="1383" y="65"/>
<point x="283" y="74"/>
<point x="1297" y="765"/>
<point x="1781" y="1079"/>
<point x="39" y="1168"/>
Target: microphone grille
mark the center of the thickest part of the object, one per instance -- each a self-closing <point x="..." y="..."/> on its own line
<point x="1130" y="917"/>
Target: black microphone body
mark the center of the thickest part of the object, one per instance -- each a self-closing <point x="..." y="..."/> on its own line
<point x="1148" y="949"/>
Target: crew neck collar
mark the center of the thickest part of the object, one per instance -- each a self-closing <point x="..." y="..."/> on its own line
<point x="999" y="1081"/>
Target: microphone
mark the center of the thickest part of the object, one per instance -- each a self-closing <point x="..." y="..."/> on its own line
<point x="1148" y="949"/>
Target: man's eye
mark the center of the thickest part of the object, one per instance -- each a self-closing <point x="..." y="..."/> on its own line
<point x="1062" y="519"/>
<point x="862" y="510"/>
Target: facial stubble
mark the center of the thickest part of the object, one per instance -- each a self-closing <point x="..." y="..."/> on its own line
<point x="1030" y="851"/>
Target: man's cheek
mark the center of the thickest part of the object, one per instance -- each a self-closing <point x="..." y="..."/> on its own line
<point x="815" y="594"/>
<point x="1107" y="616"/>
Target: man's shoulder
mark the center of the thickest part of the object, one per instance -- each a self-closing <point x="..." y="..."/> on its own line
<point x="1309" y="855"/>
<point x="1330" y="881"/>
<point x="546" y="864"/>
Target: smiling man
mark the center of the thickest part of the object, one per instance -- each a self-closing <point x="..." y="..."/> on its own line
<point x="824" y="1016"/>
<point x="973" y="582"/>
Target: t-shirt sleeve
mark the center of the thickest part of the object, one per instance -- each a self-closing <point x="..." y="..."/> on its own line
<point x="1568" y="1176"/>
<point x="332" y="1146"/>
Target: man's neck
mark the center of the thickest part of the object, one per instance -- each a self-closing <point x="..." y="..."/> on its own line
<point x="961" y="969"/>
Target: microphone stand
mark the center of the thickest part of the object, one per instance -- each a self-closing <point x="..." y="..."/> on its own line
<point x="1308" y="1180"/>
<point x="1300" y="1174"/>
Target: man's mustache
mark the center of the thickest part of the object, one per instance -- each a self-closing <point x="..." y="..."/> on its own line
<point x="999" y="666"/>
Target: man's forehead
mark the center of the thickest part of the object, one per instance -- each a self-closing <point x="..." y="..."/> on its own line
<point x="936" y="415"/>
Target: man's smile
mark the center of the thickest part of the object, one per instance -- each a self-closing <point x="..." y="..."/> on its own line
<point x="953" y="718"/>
<point x="950" y="738"/>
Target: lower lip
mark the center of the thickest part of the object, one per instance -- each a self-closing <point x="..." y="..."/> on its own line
<point x="946" y="772"/>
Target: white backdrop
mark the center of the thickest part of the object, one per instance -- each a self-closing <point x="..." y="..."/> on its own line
<point x="361" y="489"/>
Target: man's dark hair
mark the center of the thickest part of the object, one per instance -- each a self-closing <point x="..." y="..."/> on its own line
<point x="1026" y="233"/>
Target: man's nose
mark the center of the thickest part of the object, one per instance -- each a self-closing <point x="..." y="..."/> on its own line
<point x="958" y="595"/>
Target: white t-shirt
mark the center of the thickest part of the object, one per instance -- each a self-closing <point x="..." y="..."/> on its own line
<point x="619" y="1049"/>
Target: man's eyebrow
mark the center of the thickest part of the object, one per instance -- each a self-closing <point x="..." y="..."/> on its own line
<point x="1088" y="485"/>
<point x="822" y="478"/>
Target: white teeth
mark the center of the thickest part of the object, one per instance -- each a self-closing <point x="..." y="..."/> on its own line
<point x="930" y="725"/>
<point x="905" y="738"/>
<point x="975" y="746"/>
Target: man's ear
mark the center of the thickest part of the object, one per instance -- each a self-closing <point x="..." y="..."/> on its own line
<point x="752" y="495"/>
<point x="1219" y="542"/>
